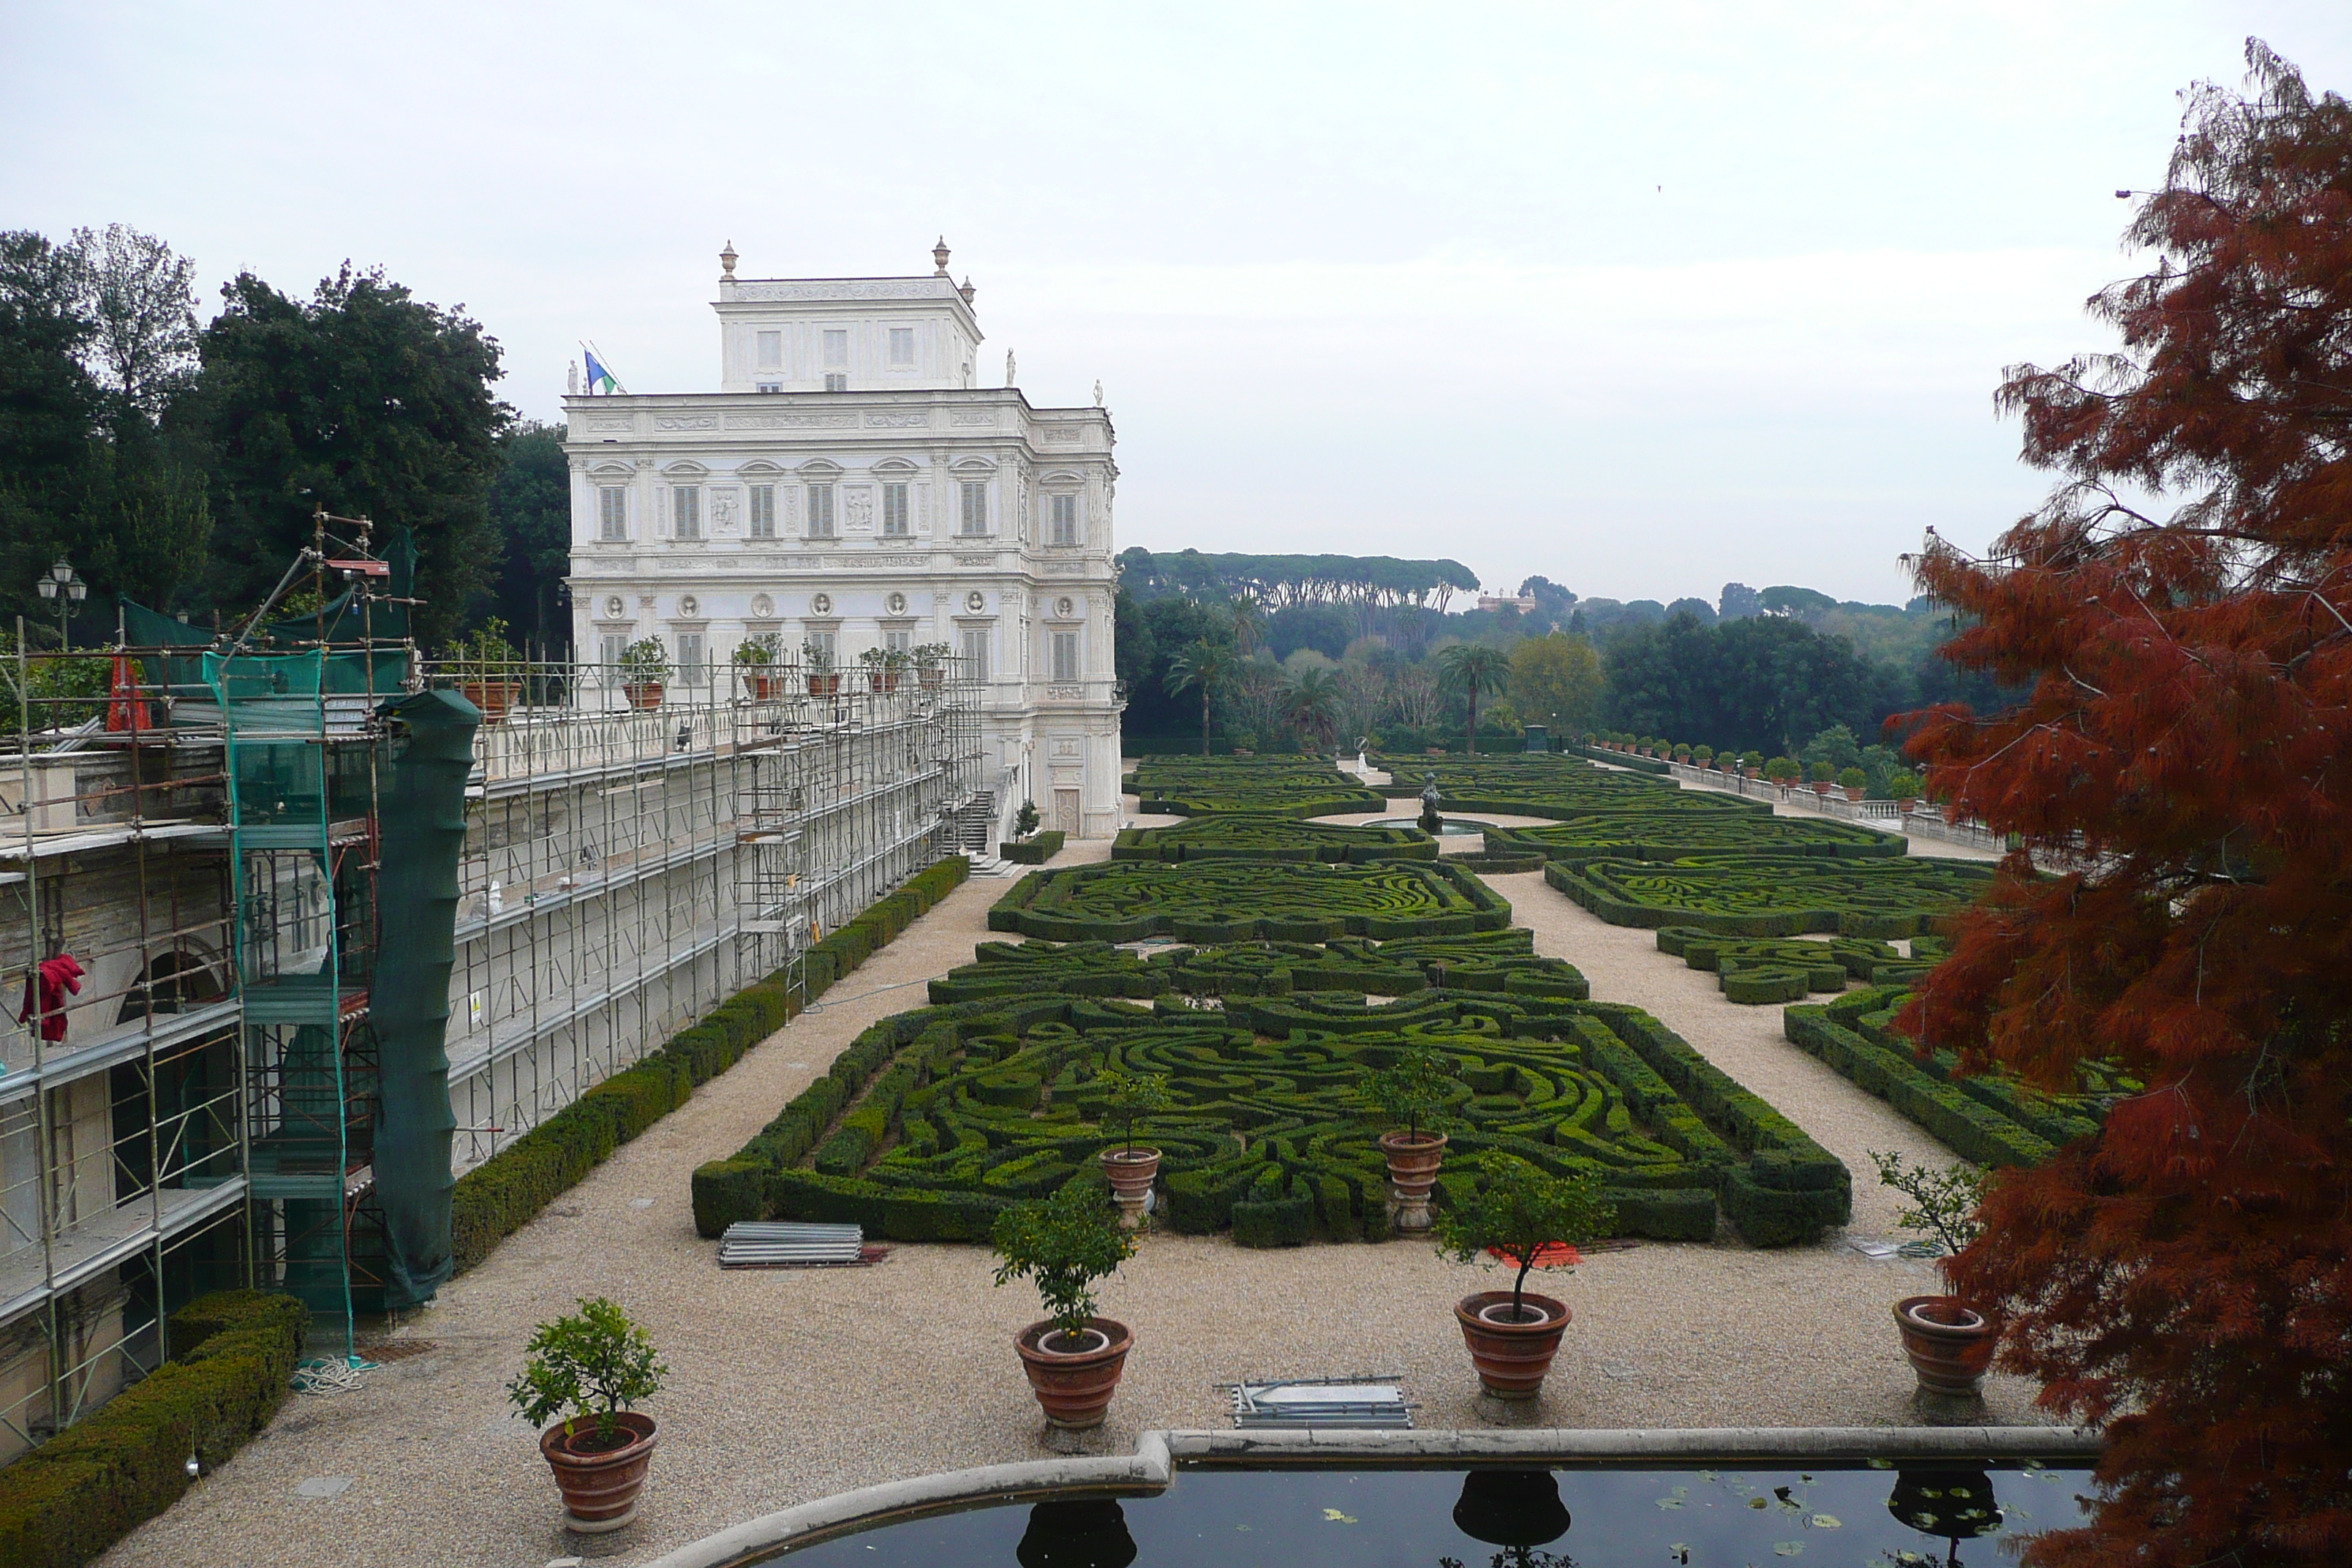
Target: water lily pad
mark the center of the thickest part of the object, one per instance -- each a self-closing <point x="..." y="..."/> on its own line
<point x="1336" y="1516"/>
<point x="1827" y="1521"/>
<point x="1670" y="1503"/>
<point x="1787" y="1548"/>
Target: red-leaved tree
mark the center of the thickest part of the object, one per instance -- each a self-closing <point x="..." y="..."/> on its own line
<point x="2185" y="764"/>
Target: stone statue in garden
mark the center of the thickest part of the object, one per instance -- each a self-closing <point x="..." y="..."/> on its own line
<point x="1428" y="817"/>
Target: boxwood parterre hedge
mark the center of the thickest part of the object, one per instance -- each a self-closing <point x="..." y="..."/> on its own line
<point x="1558" y="788"/>
<point x="1219" y="901"/>
<point x="1231" y="836"/>
<point x="1033" y="850"/>
<point x="932" y="1122"/>
<point x="1272" y="786"/>
<point x="1489" y="961"/>
<point x="1657" y="834"/>
<point x="1761" y="969"/>
<point x="1736" y="895"/>
<point x="1988" y="1118"/>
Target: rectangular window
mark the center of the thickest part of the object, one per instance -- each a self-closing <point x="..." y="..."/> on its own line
<point x="770" y="387"/>
<point x="608" y="649"/>
<point x="975" y="655"/>
<point x="1065" y="519"/>
<point x="763" y="511"/>
<point x="685" y="512"/>
<point x="612" y="513"/>
<point x="689" y="660"/>
<point x="772" y="350"/>
<point x="836" y="346"/>
<point x="975" y="506"/>
<point x="902" y="348"/>
<point x="1065" y="656"/>
<point x="824" y="643"/>
<point x="820" y="499"/>
<point x="899" y="642"/>
<point x="835" y="382"/>
<point x="894" y="510"/>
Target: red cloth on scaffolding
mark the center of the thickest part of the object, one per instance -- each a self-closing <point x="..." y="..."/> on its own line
<point x="124" y="707"/>
<point x="46" y="990"/>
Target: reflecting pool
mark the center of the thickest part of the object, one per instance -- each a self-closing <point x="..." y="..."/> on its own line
<point x="1941" y="1514"/>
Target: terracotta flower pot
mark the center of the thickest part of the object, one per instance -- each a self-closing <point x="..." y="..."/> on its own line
<point x="1131" y="1174"/>
<point x="1075" y="1386"/>
<point x="644" y="693"/>
<point x="492" y="697"/>
<point x="1950" y="1344"/>
<point x="600" y="1488"/>
<point x="825" y="685"/>
<point x="1511" y="1358"/>
<point x="1412" y="1172"/>
<point x="763" y="685"/>
<point x="1907" y="804"/>
<point x="1822" y="789"/>
<point x="1854" y="792"/>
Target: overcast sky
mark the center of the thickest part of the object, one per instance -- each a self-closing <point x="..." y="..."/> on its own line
<point x="1640" y="297"/>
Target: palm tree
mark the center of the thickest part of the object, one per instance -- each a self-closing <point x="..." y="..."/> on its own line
<point x="1247" y="619"/>
<point x="1468" y="671"/>
<point x="1203" y="666"/>
<point x="1310" y="700"/>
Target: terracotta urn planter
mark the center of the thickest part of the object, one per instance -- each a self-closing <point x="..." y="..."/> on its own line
<point x="1822" y="789"/>
<point x="1854" y="792"/>
<point x="1131" y="1172"/>
<point x="492" y="697"/>
<point x="644" y="693"/>
<point x="1412" y="1172"/>
<point x="931" y="679"/>
<point x="763" y="686"/>
<point x="1907" y="805"/>
<point x="1752" y="772"/>
<point x="1075" y="1386"/>
<point x="825" y="685"/>
<point x="600" y="1486"/>
<point x="882" y="680"/>
<point x="1511" y="1357"/>
<point x="1950" y="1344"/>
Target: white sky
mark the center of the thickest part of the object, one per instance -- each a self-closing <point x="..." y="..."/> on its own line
<point x="1377" y="280"/>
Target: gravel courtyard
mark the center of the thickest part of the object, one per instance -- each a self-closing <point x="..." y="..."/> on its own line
<point x="790" y="1386"/>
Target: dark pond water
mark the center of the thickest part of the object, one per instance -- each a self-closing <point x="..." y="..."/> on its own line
<point x="1950" y="1517"/>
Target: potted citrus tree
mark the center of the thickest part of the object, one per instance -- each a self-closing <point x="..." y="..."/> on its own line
<point x="1902" y="788"/>
<point x="1949" y="1343"/>
<point x="1524" y="1219"/>
<point x="1063" y="1245"/>
<point x="883" y="666"/>
<point x="644" y="666"/>
<point x="1417" y="1085"/>
<point x="485" y="663"/>
<point x="1127" y="1099"/>
<point x="1854" y="782"/>
<point x="930" y="664"/>
<point x="584" y="1373"/>
<point x="824" y="681"/>
<point x="756" y="658"/>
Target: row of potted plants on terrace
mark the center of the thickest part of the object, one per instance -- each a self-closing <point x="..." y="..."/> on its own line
<point x="1786" y="772"/>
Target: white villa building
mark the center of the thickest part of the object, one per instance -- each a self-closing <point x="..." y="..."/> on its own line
<point x="849" y="487"/>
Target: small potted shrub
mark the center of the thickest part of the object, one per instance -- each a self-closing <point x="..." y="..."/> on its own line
<point x="1128" y="1099"/>
<point x="1523" y="1218"/>
<point x="1854" y="782"/>
<point x="644" y="666"/>
<point x="1904" y="789"/>
<point x="1822" y="777"/>
<point x="1244" y="744"/>
<point x="824" y="681"/>
<point x="756" y="658"/>
<point x="1702" y="756"/>
<point x="884" y="666"/>
<point x="1950" y="1344"/>
<point x="584" y="1373"/>
<point x="1417" y="1085"/>
<point x="1063" y="1244"/>
<point x="930" y="665"/>
<point x="485" y="663"/>
<point x="1751" y="764"/>
<point x="1783" y="770"/>
<point x="1024" y="821"/>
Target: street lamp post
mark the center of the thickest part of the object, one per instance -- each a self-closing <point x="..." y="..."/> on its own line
<point x="68" y="590"/>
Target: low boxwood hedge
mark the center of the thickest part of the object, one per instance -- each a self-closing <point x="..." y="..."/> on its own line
<point x="67" y="1500"/>
<point x="1226" y="901"/>
<point x="1768" y="896"/>
<point x="1033" y="850"/>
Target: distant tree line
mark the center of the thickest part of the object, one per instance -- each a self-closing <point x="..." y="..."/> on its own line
<point x="181" y="463"/>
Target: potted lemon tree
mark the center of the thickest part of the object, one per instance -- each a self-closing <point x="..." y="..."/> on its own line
<point x="1128" y="1099"/>
<point x="584" y="1373"/>
<point x="824" y="681"/>
<point x="1063" y="1245"/>
<point x="1524" y="1219"/>
<point x="644" y="667"/>
<point x="1417" y="1085"/>
<point x="756" y="658"/>
<point x="486" y="664"/>
<point x="1949" y="1343"/>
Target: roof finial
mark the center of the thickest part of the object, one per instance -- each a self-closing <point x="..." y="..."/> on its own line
<point x="727" y="258"/>
<point x="966" y="291"/>
<point x="940" y="256"/>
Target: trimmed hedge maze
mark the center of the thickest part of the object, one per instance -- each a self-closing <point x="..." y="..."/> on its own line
<point x="1503" y="962"/>
<point x="971" y="1106"/>
<point x="1272" y="787"/>
<point x="1736" y="895"/>
<point x="1652" y="835"/>
<point x="1562" y="789"/>
<point x="1753" y="970"/>
<point x="1220" y="902"/>
<point x="1238" y="836"/>
<point x="1990" y="1119"/>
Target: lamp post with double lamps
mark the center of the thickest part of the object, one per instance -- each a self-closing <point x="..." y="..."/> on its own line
<point x="68" y="590"/>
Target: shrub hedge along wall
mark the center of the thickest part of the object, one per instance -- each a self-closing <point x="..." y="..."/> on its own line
<point x="1282" y="900"/>
<point x="1990" y="1119"/>
<point x="78" y="1493"/>
<point x="1231" y="836"/>
<point x="997" y="1098"/>
<point x="1738" y="895"/>
<point x="1673" y="836"/>
<point x="1272" y="786"/>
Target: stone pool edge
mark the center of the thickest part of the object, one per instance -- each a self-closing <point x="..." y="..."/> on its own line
<point x="1158" y="1454"/>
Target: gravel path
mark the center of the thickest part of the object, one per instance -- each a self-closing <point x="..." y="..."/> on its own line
<point x="791" y="1385"/>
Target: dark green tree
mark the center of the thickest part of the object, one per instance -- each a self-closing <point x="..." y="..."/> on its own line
<point x="530" y="504"/>
<point x="365" y="400"/>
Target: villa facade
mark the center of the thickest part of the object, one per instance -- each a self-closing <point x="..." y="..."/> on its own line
<point x="849" y="487"/>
